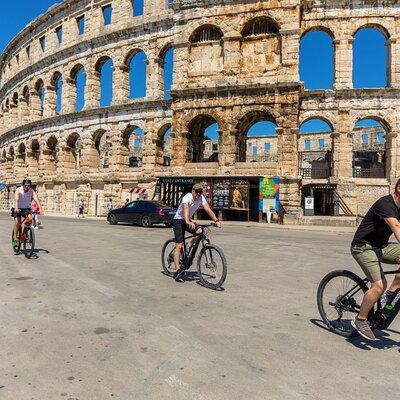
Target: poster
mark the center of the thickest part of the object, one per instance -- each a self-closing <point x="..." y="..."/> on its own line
<point x="269" y="194"/>
<point x="208" y="190"/>
<point x="221" y="194"/>
<point x="240" y="194"/>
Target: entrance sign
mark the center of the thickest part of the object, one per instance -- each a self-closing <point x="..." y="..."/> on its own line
<point x="309" y="206"/>
<point x="269" y="194"/>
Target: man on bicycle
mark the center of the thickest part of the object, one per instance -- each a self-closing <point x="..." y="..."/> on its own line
<point x="22" y="206"/>
<point x="371" y="247"/>
<point x="183" y="222"/>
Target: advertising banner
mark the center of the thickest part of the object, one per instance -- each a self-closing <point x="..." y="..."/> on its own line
<point x="240" y="194"/>
<point x="221" y="194"/>
<point x="269" y="194"/>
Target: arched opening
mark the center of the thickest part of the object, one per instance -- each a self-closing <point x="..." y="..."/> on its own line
<point x="317" y="60"/>
<point x="133" y="140"/>
<point x="15" y="99"/>
<point x="369" y="149"/>
<point x="51" y="153"/>
<point x="164" y="146"/>
<point x="57" y="84"/>
<point x="35" y="148"/>
<point x="260" y="26"/>
<point x="315" y="149"/>
<point x="78" y="75"/>
<point x="22" y="152"/>
<point x="205" y="52"/>
<point x="40" y="92"/>
<point x="256" y="138"/>
<point x="26" y="95"/>
<point x="137" y="66"/>
<point x="167" y="61"/>
<point x="74" y="146"/>
<point x="203" y="139"/>
<point x="371" y="68"/>
<point x="105" y="68"/>
<point x="102" y="143"/>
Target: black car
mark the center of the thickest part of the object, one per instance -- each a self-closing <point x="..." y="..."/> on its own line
<point x="143" y="212"/>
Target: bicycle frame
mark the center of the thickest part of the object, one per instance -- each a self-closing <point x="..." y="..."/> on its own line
<point x="188" y="259"/>
<point x="27" y="221"/>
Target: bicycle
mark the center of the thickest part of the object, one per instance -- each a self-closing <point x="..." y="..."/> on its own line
<point x="338" y="308"/>
<point x="207" y="261"/>
<point x="26" y="237"/>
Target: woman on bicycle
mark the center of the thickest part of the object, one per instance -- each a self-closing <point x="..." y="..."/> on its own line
<point x="183" y="222"/>
<point x="24" y="195"/>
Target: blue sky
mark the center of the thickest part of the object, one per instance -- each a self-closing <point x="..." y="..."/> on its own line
<point x="316" y="55"/>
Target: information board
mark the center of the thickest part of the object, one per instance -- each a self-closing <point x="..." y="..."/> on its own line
<point x="269" y="194"/>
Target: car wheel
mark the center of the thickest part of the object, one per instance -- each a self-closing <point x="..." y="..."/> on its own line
<point x="112" y="219"/>
<point x="146" y="222"/>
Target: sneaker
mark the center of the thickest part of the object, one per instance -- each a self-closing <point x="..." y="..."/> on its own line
<point x="178" y="275"/>
<point x="35" y="227"/>
<point x="15" y="245"/>
<point x="363" y="328"/>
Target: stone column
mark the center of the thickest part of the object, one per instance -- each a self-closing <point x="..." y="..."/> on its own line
<point x="92" y="90"/>
<point x="69" y="96"/>
<point x="154" y="74"/>
<point x="232" y="56"/>
<point x="393" y="48"/>
<point x="392" y="160"/>
<point x="119" y="154"/>
<point x="121" y="84"/>
<point x="149" y="153"/>
<point x="20" y="166"/>
<point x="343" y="63"/>
<point x="181" y="63"/>
<point x="13" y="116"/>
<point x="50" y="102"/>
<point x="227" y="147"/>
<point x="24" y="116"/>
<point x="179" y="152"/>
<point x="290" y="50"/>
<point x="89" y="156"/>
<point x="32" y="164"/>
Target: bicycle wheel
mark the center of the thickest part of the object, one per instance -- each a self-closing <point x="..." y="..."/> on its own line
<point x="29" y="243"/>
<point x="339" y="298"/>
<point x="167" y="257"/>
<point x="212" y="266"/>
<point x="16" y="249"/>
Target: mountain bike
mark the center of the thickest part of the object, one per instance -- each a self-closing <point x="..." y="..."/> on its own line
<point x="339" y="298"/>
<point x="26" y="237"/>
<point x="211" y="262"/>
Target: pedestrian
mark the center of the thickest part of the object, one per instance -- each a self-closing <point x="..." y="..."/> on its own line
<point x="81" y="207"/>
<point x="126" y="201"/>
<point x="35" y="214"/>
<point x="110" y="205"/>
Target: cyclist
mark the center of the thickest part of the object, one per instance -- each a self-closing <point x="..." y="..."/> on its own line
<point x="24" y="195"/>
<point x="370" y="247"/>
<point x="183" y="222"/>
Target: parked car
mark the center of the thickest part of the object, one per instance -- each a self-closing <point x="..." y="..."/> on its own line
<point x="143" y="212"/>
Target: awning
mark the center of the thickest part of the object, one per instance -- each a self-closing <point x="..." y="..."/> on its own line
<point x="138" y="190"/>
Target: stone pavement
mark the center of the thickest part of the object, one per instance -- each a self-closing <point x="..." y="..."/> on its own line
<point x="93" y="318"/>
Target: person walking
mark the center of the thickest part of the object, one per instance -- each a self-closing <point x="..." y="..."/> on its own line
<point x="81" y="208"/>
<point x="110" y="205"/>
<point x="35" y="214"/>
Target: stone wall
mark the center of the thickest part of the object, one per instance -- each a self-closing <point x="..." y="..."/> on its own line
<point x="235" y="63"/>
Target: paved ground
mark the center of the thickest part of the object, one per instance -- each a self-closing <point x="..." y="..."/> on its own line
<point x="93" y="318"/>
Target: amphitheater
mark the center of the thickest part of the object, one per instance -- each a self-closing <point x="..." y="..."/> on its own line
<point x="235" y="63"/>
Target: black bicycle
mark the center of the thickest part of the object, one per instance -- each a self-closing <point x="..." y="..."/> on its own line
<point x="211" y="262"/>
<point x="339" y="298"/>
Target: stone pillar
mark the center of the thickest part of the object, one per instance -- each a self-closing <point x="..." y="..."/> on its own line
<point x="32" y="164"/>
<point x="20" y="166"/>
<point x="227" y="147"/>
<point x="92" y="90"/>
<point x="89" y="156"/>
<point x="119" y="154"/>
<point x="36" y="108"/>
<point x="393" y="48"/>
<point x="290" y="50"/>
<point x="149" y="153"/>
<point x="24" y="116"/>
<point x="13" y="116"/>
<point x="121" y="83"/>
<point x="232" y="56"/>
<point x="153" y="74"/>
<point x="343" y="63"/>
<point x="50" y="102"/>
<point x="392" y="160"/>
<point x="179" y="148"/>
<point x="181" y="63"/>
<point x="287" y="151"/>
<point x="69" y="96"/>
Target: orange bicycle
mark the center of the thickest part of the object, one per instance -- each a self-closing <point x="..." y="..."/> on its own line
<point x="26" y="237"/>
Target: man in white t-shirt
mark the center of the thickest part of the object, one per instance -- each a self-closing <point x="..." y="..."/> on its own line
<point x="183" y="222"/>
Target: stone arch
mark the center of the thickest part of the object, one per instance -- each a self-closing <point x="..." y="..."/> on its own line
<point x="26" y="95"/>
<point x="200" y="147"/>
<point x="104" y="68"/>
<point x="260" y="26"/>
<point x="102" y="143"/>
<point x="370" y="142"/>
<point x="166" y="62"/>
<point x="50" y="154"/>
<point x="78" y="77"/>
<point x="73" y="152"/>
<point x="242" y="129"/>
<point x="136" y="64"/>
<point x="206" y="33"/>
<point x="15" y="98"/>
<point x="371" y="57"/>
<point x="382" y="29"/>
<point x="132" y="143"/>
<point x="56" y="84"/>
<point x="319" y="28"/>
<point x="164" y="145"/>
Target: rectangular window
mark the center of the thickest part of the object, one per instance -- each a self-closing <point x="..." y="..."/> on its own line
<point x="28" y="52"/>
<point x="307" y="144"/>
<point x="80" y="21"/>
<point x="255" y="150"/>
<point x="321" y="143"/>
<point x="137" y="7"/>
<point x="381" y="137"/>
<point x="59" y="33"/>
<point x="267" y="147"/>
<point x="42" y="42"/>
<point x="107" y="15"/>
<point x="364" y="138"/>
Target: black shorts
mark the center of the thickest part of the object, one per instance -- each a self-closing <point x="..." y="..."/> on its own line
<point x="23" y="212"/>
<point x="180" y="227"/>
